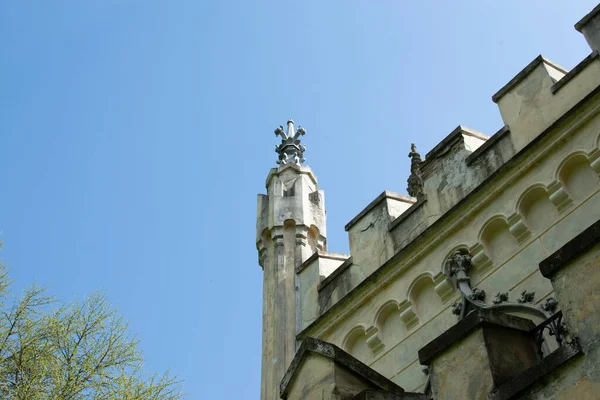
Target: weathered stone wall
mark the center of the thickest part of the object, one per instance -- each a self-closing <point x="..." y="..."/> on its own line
<point x="413" y="306"/>
<point x="510" y="201"/>
<point x="524" y="197"/>
<point x="574" y="270"/>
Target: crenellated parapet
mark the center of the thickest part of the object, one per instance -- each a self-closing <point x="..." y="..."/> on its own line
<point x="535" y="103"/>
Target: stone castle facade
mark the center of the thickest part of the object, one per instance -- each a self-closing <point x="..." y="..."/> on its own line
<point x="484" y="283"/>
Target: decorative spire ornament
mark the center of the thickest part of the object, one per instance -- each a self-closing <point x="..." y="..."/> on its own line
<point x="415" y="180"/>
<point x="290" y="151"/>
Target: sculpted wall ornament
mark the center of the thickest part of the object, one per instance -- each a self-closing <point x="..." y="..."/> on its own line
<point x="457" y="267"/>
<point x="415" y="180"/>
<point x="500" y="298"/>
<point x="526" y="297"/>
<point x="550" y="304"/>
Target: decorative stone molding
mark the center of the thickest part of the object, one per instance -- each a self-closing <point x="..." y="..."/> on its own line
<point x="407" y="314"/>
<point x="278" y="240"/>
<point x="480" y="259"/>
<point x="559" y="196"/>
<point x="374" y="339"/>
<point x="322" y="243"/>
<point x="443" y="286"/>
<point x="277" y="236"/>
<point x="594" y="157"/>
<point x="262" y="253"/>
<point x="301" y="235"/>
<point x="518" y="229"/>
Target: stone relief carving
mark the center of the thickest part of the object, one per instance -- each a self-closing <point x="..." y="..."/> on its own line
<point x="526" y="297"/>
<point x="457" y="267"/>
<point x="500" y="298"/>
<point x="550" y="304"/>
<point x="477" y="294"/>
<point x="456" y="308"/>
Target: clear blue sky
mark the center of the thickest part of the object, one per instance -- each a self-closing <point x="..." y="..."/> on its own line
<point x="135" y="135"/>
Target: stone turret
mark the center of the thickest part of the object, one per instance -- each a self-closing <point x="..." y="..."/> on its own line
<point x="290" y="227"/>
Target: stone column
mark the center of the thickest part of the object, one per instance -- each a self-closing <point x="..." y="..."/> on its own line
<point x="290" y="227"/>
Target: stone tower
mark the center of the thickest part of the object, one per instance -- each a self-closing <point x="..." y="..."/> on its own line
<point x="290" y="227"/>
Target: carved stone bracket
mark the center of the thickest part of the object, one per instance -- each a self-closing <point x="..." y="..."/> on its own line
<point x="278" y="240"/>
<point x="479" y="259"/>
<point x="559" y="197"/>
<point x="301" y="235"/>
<point x="262" y="253"/>
<point x="594" y="157"/>
<point x="443" y="287"/>
<point x="322" y="243"/>
<point x="518" y="229"/>
<point x="458" y="264"/>
<point x="374" y="339"/>
<point x="457" y="267"/>
<point x="407" y="315"/>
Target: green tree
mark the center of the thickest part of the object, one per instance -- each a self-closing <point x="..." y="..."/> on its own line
<point x="80" y="350"/>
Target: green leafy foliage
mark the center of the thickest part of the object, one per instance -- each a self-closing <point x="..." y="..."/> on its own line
<point x="74" y="351"/>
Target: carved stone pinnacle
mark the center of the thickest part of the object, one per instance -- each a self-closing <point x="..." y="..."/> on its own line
<point x="415" y="180"/>
<point x="290" y="151"/>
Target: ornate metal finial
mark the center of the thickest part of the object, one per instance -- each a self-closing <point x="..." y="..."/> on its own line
<point x="290" y="150"/>
<point x="415" y="180"/>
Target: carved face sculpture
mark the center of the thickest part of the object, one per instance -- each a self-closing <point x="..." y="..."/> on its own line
<point x="459" y="261"/>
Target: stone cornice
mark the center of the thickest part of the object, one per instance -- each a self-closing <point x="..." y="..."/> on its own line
<point x="517" y="385"/>
<point x="299" y="168"/>
<point x="321" y="254"/>
<point x="339" y="356"/>
<point x="574" y="72"/>
<point x="502" y="132"/>
<point x="583" y="21"/>
<point x="462" y="328"/>
<point x="452" y="136"/>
